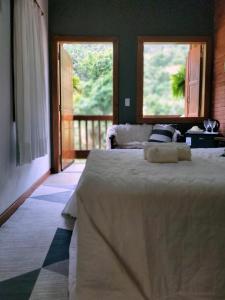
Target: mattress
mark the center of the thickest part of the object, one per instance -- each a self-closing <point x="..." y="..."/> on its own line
<point x="149" y="231"/>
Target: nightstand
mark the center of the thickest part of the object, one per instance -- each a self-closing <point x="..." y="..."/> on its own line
<point x="221" y="141"/>
<point x="201" y="140"/>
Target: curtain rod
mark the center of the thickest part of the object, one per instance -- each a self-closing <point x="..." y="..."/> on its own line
<point x="38" y="5"/>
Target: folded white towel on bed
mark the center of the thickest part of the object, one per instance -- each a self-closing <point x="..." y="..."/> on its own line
<point x="183" y="150"/>
<point x="162" y="155"/>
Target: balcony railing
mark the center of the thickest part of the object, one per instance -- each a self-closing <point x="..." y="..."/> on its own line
<point x="90" y="133"/>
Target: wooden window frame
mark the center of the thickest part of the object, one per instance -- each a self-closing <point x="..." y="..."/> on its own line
<point x="140" y="76"/>
<point x="55" y="89"/>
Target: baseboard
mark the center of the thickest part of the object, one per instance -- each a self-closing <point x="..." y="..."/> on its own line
<point x="13" y="207"/>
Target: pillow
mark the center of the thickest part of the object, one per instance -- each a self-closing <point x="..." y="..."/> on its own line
<point x="162" y="133"/>
<point x="176" y="135"/>
<point x="183" y="150"/>
<point x="128" y="133"/>
<point x="162" y="155"/>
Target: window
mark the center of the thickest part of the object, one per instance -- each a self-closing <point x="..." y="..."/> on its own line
<point x="173" y="78"/>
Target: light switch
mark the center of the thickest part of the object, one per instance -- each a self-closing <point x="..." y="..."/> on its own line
<point x="127" y="101"/>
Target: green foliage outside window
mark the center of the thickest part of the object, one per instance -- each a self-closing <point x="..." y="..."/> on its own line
<point x="93" y="78"/>
<point x="161" y="63"/>
<point x="178" y="83"/>
<point x="163" y="81"/>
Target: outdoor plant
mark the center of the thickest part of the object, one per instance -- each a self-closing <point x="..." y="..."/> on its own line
<point x="76" y="84"/>
<point x="178" y="83"/>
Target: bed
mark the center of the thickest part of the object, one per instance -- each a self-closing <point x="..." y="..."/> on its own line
<point x="149" y="231"/>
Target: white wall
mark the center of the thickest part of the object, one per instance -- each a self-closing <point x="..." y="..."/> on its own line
<point x="14" y="180"/>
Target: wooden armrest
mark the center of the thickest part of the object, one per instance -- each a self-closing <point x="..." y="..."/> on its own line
<point x="112" y="139"/>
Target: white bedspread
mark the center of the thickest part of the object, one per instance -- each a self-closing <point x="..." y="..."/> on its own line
<point x="150" y="231"/>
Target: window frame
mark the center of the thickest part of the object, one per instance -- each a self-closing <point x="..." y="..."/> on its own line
<point x="140" y="118"/>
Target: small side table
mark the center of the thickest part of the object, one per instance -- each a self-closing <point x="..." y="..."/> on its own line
<point x="221" y="141"/>
<point x="202" y="140"/>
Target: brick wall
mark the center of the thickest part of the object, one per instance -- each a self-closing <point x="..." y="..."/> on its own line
<point x="218" y="103"/>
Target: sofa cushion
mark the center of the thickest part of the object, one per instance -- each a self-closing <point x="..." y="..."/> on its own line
<point x="133" y="145"/>
<point x="127" y="133"/>
<point x="131" y="136"/>
<point x="162" y="133"/>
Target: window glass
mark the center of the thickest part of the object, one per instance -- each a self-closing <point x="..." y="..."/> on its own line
<point x="164" y="79"/>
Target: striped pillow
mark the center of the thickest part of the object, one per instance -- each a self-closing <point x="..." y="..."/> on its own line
<point x="162" y="133"/>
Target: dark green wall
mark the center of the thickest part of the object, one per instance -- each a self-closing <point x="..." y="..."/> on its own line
<point x="127" y="19"/>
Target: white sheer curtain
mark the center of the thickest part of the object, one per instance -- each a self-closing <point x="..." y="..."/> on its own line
<point x="29" y="80"/>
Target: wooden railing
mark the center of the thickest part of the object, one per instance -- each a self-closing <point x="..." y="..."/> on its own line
<point x="90" y="133"/>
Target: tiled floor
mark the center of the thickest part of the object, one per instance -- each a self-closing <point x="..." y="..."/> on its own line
<point x="34" y="242"/>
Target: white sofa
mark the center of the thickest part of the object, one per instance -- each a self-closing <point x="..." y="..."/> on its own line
<point x="130" y="136"/>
